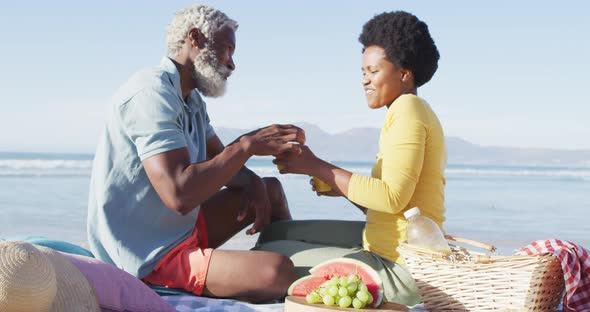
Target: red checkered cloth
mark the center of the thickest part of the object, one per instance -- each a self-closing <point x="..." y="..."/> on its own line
<point x="575" y="263"/>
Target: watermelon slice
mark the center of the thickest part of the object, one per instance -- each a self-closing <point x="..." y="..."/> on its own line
<point x="339" y="267"/>
<point x="305" y="285"/>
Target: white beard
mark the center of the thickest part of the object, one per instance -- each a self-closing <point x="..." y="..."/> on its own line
<point x="209" y="75"/>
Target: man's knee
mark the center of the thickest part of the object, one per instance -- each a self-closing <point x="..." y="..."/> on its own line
<point x="274" y="189"/>
<point x="273" y="184"/>
<point x="279" y="273"/>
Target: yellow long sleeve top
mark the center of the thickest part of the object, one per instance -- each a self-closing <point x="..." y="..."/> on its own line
<point x="409" y="172"/>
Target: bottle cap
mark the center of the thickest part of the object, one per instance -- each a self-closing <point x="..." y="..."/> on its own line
<point x="411" y="212"/>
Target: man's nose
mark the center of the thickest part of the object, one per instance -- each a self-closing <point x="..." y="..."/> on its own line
<point x="230" y="64"/>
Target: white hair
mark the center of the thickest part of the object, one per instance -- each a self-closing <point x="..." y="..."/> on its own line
<point x="207" y="19"/>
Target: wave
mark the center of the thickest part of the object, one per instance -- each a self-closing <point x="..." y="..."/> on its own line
<point x="552" y="173"/>
<point x="577" y="174"/>
<point x="45" y="167"/>
<point x="83" y="167"/>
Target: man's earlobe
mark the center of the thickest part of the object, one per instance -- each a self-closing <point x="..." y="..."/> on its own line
<point x="193" y="36"/>
<point x="196" y="37"/>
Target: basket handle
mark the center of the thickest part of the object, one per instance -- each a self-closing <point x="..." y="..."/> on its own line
<point x="489" y="248"/>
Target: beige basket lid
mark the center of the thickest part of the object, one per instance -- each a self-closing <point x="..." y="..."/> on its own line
<point x="36" y="278"/>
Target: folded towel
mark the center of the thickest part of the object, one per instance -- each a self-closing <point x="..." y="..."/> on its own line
<point x="575" y="263"/>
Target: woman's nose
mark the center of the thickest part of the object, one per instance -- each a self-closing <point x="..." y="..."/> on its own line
<point x="365" y="81"/>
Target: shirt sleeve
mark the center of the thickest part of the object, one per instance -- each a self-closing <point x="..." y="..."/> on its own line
<point x="153" y="121"/>
<point x="402" y="159"/>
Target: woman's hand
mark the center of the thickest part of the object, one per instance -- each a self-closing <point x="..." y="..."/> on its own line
<point x="307" y="163"/>
<point x="304" y="162"/>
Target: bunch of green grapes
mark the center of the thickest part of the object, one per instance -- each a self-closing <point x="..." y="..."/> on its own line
<point x="343" y="291"/>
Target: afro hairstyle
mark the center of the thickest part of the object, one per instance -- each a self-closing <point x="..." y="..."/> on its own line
<point x="406" y="41"/>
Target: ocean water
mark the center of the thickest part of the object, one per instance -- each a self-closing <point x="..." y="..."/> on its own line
<point x="509" y="207"/>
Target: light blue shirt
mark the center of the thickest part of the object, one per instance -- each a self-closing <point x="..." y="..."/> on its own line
<point x="128" y="224"/>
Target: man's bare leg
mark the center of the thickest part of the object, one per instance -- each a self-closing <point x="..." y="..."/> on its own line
<point x="278" y="200"/>
<point x="254" y="276"/>
<point x="221" y="212"/>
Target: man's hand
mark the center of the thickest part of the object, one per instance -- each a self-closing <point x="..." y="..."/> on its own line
<point x="273" y="140"/>
<point x="255" y="196"/>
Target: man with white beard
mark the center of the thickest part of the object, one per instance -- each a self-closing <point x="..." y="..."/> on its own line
<point x="157" y="208"/>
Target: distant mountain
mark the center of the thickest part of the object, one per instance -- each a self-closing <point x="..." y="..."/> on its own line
<point x="361" y="144"/>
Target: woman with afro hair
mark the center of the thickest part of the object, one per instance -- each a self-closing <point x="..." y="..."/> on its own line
<point x="399" y="56"/>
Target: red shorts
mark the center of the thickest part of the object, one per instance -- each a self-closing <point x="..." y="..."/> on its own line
<point x="187" y="264"/>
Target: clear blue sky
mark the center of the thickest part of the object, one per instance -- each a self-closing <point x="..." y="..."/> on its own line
<point x="512" y="73"/>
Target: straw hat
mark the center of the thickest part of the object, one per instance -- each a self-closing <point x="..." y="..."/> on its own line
<point x="40" y="279"/>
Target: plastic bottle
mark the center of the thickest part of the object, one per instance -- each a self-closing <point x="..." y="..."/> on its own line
<point x="423" y="232"/>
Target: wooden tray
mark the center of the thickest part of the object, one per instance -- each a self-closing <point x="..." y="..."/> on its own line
<point x="298" y="304"/>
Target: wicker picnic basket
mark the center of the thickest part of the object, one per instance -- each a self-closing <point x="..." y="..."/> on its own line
<point x="480" y="282"/>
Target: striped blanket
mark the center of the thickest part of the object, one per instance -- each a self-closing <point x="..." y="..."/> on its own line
<point x="187" y="303"/>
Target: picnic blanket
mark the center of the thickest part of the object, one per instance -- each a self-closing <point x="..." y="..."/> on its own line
<point x="188" y="303"/>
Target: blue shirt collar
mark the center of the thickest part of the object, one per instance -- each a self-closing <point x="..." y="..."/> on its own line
<point x="170" y="68"/>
